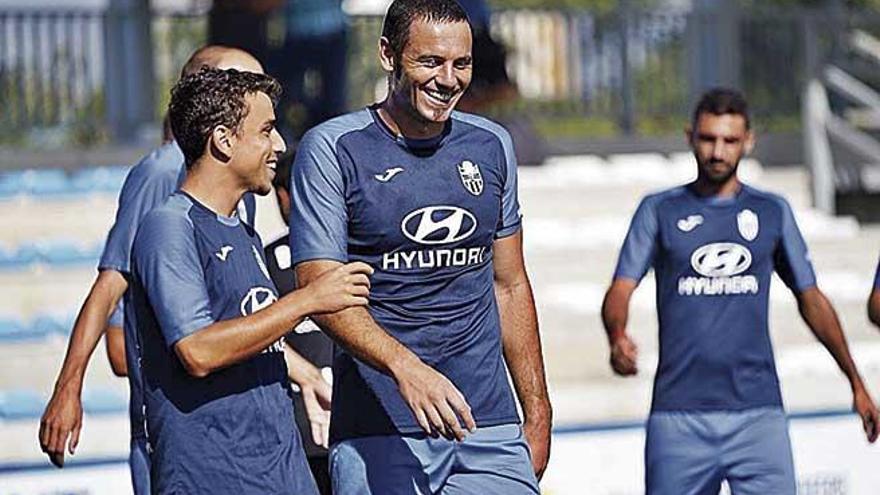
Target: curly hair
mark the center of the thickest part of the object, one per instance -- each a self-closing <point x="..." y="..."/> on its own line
<point x="209" y="98"/>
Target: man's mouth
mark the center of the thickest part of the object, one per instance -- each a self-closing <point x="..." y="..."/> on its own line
<point x="443" y="97"/>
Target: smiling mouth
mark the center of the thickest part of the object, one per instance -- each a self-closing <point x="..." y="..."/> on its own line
<point x="443" y="97"/>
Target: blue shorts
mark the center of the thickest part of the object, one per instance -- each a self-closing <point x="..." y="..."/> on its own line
<point x="493" y="460"/>
<point x="139" y="463"/>
<point x="690" y="453"/>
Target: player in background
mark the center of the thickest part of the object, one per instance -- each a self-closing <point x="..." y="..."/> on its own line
<point x="309" y="353"/>
<point x="713" y="244"/>
<point x="874" y="299"/>
<point x="147" y="185"/>
<point x="204" y="312"/>
<point x="426" y="196"/>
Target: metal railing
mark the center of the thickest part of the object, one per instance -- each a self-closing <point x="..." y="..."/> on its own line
<point x="628" y="71"/>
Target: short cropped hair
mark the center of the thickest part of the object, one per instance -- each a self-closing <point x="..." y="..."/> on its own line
<point x="722" y="101"/>
<point x="209" y="98"/>
<point x="402" y="13"/>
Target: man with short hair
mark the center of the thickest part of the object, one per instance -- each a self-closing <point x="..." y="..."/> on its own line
<point x="204" y="311"/>
<point x="147" y="185"/>
<point x="713" y="244"/>
<point x="426" y="196"/>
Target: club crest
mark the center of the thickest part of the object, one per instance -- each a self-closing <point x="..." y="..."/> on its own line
<point x="747" y="223"/>
<point x="471" y="177"/>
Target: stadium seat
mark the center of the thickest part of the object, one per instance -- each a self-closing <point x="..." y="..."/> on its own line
<point x="20" y="404"/>
<point x="104" y="401"/>
<point x="12" y="330"/>
<point x="45" y="325"/>
<point x="68" y="253"/>
<point x="16" y="258"/>
<point x="99" y="179"/>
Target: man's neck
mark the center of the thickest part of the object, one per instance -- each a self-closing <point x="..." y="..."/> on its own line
<point x="726" y="189"/>
<point x="212" y="189"/>
<point x="402" y="122"/>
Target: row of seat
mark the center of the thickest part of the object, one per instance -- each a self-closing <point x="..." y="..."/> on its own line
<point x="58" y="182"/>
<point x="19" y="404"/>
<point x="60" y="252"/>
<point x="39" y="328"/>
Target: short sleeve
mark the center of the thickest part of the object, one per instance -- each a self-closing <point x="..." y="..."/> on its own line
<point x="640" y="245"/>
<point x="511" y="217"/>
<point x="147" y="185"/>
<point x="166" y="262"/>
<point x="318" y="213"/>
<point x="791" y="259"/>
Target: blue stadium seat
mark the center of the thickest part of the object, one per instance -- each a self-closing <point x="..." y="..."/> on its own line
<point x="16" y="258"/>
<point x="20" y="404"/>
<point x="104" y="401"/>
<point x="68" y="253"/>
<point x="99" y="179"/>
<point x="12" y="183"/>
<point x="12" y="330"/>
<point x="45" y="325"/>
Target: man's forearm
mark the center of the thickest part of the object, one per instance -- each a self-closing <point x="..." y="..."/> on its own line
<point x="90" y="325"/>
<point x="227" y="342"/>
<point x="522" y="349"/>
<point x="356" y="331"/>
<point x="615" y="308"/>
<point x="820" y="316"/>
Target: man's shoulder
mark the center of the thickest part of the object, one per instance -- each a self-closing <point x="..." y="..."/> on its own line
<point x="329" y="131"/>
<point x="174" y="212"/>
<point x="166" y="161"/>
<point x="482" y="123"/>
<point x="658" y="198"/>
<point x="770" y="199"/>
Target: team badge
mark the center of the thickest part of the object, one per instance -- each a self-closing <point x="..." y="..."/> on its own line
<point x="471" y="177"/>
<point x="747" y="222"/>
<point x="260" y="262"/>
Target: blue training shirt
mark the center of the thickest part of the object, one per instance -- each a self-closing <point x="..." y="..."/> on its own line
<point x="232" y="431"/>
<point x="877" y="277"/>
<point x="424" y="214"/>
<point x="147" y="185"/>
<point x="713" y="259"/>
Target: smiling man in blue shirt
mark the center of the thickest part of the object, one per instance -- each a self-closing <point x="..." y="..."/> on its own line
<point x="206" y="316"/>
<point x="713" y="244"/>
<point x="426" y="196"/>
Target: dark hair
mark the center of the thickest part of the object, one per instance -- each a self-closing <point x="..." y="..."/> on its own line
<point x="722" y="101"/>
<point x="211" y="97"/>
<point x="282" y="168"/>
<point x="402" y="13"/>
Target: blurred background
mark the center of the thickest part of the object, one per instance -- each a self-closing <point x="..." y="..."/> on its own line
<point x="596" y="94"/>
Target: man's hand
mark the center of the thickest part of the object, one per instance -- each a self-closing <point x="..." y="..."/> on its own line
<point x="624" y="353"/>
<point x="537" y="433"/>
<point x="61" y="419"/>
<point x="434" y="400"/>
<point x="867" y="410"/>
<point x="316" y="393"/>
<point x="340" y="288"/>
<point x="317" y="397"/>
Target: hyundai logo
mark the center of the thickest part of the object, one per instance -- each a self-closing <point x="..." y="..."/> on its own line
<point x="722" y="259"/>
<point x="256" y="299"/>
<point x="439" y="225"/>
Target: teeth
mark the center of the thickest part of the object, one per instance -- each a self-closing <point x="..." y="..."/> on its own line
<point x="442" y="96"/>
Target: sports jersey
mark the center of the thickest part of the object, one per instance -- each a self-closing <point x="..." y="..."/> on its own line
<point x="147" y="185"/>
<point x="877" y="277"/>
<point x="424" y="214"/>
<point x="307" y="338"/>
<point x="232" y="431"/>
<point x="713" y="259"/>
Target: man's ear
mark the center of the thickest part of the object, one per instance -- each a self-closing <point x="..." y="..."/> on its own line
<point x="386" y="55"/>
<point x="222" y="143"/>
<point x="750" y="142"/>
